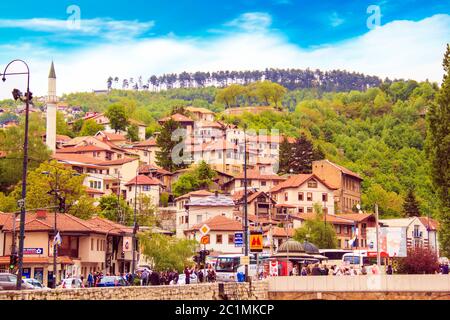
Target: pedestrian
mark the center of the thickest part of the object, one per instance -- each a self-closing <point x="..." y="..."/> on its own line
<point x="316" y="270"/>
<point x="444" y="268"/>
<point x="295" y="270"/>
<point x="187" y="274"/>
<point x="200" y="276"/>
<point x="304" y="272"/>
<point x="389" y="269"/>
<point x="363" y="270"/>
<point x="326" y="271"/>
<point x="90" y="280"/>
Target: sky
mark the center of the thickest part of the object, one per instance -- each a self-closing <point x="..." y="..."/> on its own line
<point x="92" y="40"/>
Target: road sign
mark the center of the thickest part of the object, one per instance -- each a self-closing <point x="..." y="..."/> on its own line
<point x="204" y="229"/>
<point x="33" y="251"/>
<point x="245" y="261"/>
<point x="256" y="242"/>
<point x="239" y="239"/>
<point x="204" y="239"/>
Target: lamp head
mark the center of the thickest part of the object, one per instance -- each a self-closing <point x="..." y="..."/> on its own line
<point x="4" y="78"/>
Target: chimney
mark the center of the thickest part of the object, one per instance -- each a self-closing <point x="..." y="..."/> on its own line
<point x="41" y="214"/>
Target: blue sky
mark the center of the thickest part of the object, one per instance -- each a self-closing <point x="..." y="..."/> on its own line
<point x="153" y="37"/>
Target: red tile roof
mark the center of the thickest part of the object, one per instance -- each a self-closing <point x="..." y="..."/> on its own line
<point x="219" y="223"/>
<point x="149" y="168"/>
<point x="147" y="143"/>
<point x="358" y="217"/>
<point x="329" y="218"/>
<point x="298" y="180"/>
<point x="143" y="180"/>
<point x="76" y="158"/>
<point x="88" y="148"/>
<point x="117" y="161"/>
<point x="256" y="175"/>
<point x="433" y="224"/>
<point x="176" y="117"/>
<point x="114" y="136"/>
<point x="344" y="170"/>
<point x="198" y="193"/>
<point x="280" y="232"/>
<point x="199" y="110"/>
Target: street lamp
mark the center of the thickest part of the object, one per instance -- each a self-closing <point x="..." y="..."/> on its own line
<point x="246" y="247"/>
<point x="17" y="95"/>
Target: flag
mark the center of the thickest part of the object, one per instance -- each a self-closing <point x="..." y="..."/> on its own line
<point x="57" y="240"/>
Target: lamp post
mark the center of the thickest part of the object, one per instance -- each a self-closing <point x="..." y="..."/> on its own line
<point x="28" y="97"/>
<point x="133" y="264"/>
<point x="246" y="249"/>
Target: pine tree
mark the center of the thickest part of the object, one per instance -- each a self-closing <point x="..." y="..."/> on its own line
<point x="438" y="148"/>
<point x="411" y="205"/>
<point x="166" y="145"/>
<point x="303" y="154"/>
<point x="285" y="154"/>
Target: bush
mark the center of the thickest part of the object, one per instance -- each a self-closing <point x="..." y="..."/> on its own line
<point x="418" y="261"/>
<point x="164" y="199"/>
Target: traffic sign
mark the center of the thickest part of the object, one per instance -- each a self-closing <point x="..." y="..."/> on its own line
<point x="245" y="261"/>
<point x="256" y="242"/>
<point x="204" y="229"/>
<point x="204" y="240"/>
<point x="238" y="239"/>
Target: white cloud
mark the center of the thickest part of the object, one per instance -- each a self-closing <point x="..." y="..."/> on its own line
<point x="251" y="22"/>
<point x="336" y="20"/>
<point x="400" y="49"/>
<point x="99" y="27"/>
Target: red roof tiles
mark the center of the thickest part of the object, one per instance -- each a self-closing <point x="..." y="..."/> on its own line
<point x="143" y="180"/>
<point x="298" y="180"/>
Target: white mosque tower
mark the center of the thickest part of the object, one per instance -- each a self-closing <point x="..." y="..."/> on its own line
<point x="51" y="110"/>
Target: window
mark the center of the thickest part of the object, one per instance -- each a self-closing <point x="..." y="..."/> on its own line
<point x="199" y="218"/>
<point x="146" y="188"/>
<point x="231" y="239"/>
<point x="263" y="183"/>
<point x="312" y="184"/>
<point x="300" y="196"/>
<point x="218" y="238"/>
<point x="145" y="153"/>
<point x="92" y="244"/>
<point x="346" y="229"/>
<point x="309" y="209"/>
<point x="98" y="244"/>
<point x="286" y="196"/>
<point x="338" y="229"/>
<point x="339" y="243"/>
<point x="300" y="210"/>
<point x="325" y="197"/>
<point x="309" y="196"/>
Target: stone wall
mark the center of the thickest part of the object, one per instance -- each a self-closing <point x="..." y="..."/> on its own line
<point x="208" y="291"/>
<point x="400" y="295"/>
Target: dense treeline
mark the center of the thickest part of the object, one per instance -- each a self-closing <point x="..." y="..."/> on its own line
<point x="335" y="80"/>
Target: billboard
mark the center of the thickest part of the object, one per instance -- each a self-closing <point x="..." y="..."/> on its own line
<point x="392" y="240"/>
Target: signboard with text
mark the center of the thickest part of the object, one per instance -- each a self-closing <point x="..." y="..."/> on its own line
<point x="239" y="239"/>
<point x="33" y="250"/>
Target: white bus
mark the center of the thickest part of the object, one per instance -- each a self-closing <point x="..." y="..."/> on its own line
<point x="229" y="265"/>
<point x="334" y="255"/>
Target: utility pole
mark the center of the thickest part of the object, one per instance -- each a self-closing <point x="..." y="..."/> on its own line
<point x="378" y="235"/>
<point x="133" y="265"/>
<point x="246" y="249"/>
<point x="55" y="246"/>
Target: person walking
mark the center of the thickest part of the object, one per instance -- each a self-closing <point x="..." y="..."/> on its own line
<point x="389" y="269"/>
<point x="90" y="280"/>
<point x="187" y="274"/>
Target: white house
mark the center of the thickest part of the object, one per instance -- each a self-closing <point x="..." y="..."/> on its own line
<point x="145" y="185"/>
<point x="302" y="191"/>
<point x="221" y="234"/>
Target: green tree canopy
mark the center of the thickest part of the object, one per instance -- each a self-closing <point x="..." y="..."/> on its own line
<point x="118" y="117"/>
<point x="133" y="132"/>
<point x="167" y="252"/>
<point x="166" y="145"/>
<point x="115" y="210"/>
<point x="317" y="231"/>
<point x="199" y="177"/>
<point x="90" y="127"/>
<point x="411" y="205"/>
<point x="230" y="94"/>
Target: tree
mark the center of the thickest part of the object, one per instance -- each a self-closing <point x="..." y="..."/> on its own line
<point x="117" y="116"/>
<point x="285" y="154"/>
<point x="267" y="92"/>
<point x="230" y="94"/>
<point x="133" y="133"/>
<point x="166" y="144"/>
<point x="198" y="178"/>
<point x="7" y="203"/>
<point x="418" y="260"/>
<point x="61" y="125"/>
<point x="90" y="127"/>
<point x="302" y="155"/>
<point x="42" y="181"/>
<point x="84" y="208"/>
<point x="438" y="149"/>
<point x="316" y="231"/>
<point x="11" y="143"/>
<point x="146" y="211"/>
<point x="410" y="205"/>
<point x="167" y="252"/>
<point x="115" y="210"/>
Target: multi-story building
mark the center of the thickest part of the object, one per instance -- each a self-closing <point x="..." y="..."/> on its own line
<point x="347" y="183"/>
<point x="299" y="193"/>
<point x="255" y="180"/>
<point x="86" y="246"/>
<point x="143" y="185"/>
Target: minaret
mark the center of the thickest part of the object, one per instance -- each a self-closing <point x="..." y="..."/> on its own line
<point x="51" y="110"/>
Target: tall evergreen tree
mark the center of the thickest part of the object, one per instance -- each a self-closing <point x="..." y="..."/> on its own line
<point x="438" y="148"/>
<point x="166" y="145"/>
<point x="285" y="155"/>
<point x="303" y="154"/>
<point x="411" y="205"/>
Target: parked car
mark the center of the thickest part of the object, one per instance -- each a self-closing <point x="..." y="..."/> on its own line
<point x="182" y="278"/>
<point x="112" y="281"/>
<point x="71" y="283"/>
<point x="8" y="281"/>
<point x="36" y="284"/>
